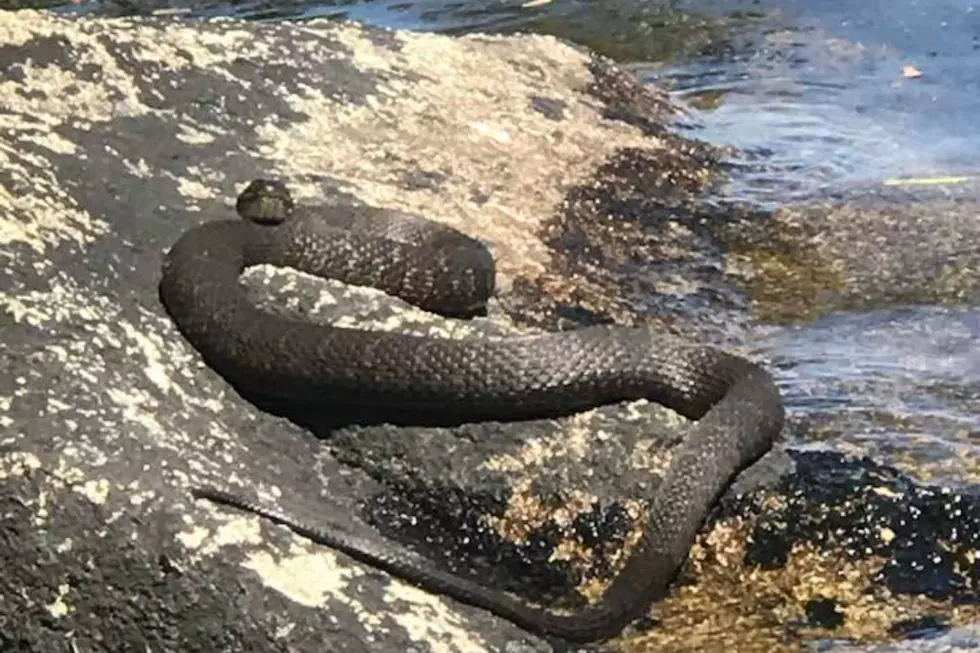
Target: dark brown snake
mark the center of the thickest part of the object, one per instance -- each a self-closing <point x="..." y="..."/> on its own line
<point x="736" y="404"/>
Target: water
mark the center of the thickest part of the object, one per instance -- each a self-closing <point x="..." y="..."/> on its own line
<point x="903" y="382"/>
<point x="817" y="97"/>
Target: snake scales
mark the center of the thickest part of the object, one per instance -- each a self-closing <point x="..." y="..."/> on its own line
<point x="738" y="409"/>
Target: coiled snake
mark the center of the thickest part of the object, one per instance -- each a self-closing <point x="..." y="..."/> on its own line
<point x="737" y="406"/>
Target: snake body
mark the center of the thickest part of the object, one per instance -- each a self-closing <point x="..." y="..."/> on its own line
<point x="736" y="404"/>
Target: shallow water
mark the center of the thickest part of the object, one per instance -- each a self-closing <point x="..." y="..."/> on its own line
<point x="818" y="97"/>
<point x="904" y="381"/>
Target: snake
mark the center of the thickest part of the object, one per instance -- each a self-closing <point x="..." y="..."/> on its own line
<point x="734" y="405"/>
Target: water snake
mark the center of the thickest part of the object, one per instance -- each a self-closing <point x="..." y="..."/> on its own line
<point x="737" y="406"/>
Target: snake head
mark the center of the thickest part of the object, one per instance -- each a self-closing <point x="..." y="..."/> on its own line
<point x="265" y="201"/>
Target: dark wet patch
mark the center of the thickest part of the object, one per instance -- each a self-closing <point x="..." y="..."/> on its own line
<point x="823" y="613"/>
<point x="478" y="197"/>
<point x="649" y="244"/>
<point x="450" y="527"/>
<point x="642" y="106"/>
<point x="642" y="240"/>
<point x="799" y="551"/>
<point x="858" y="509"/>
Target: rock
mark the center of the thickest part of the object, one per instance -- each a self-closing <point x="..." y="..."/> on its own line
<point x="871" y="245"/>
<point x="119" y="134"/>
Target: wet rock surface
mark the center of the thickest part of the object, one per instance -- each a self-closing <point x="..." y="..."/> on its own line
<point x="119" y="134"/>
<point x="867" y="246"/>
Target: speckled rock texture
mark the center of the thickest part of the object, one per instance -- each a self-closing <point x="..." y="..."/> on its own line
<point x="116" y="135"/>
